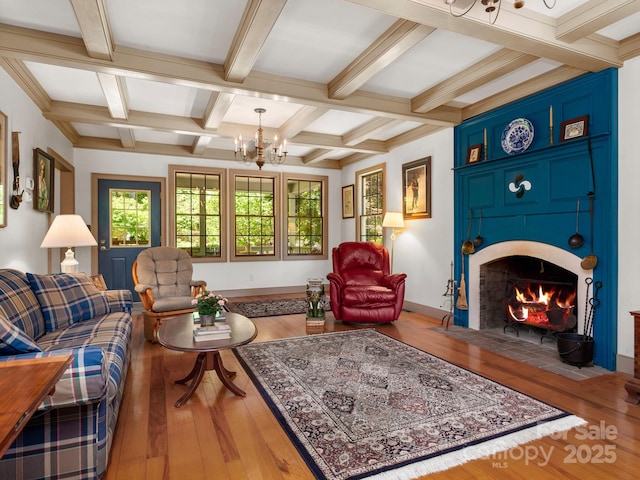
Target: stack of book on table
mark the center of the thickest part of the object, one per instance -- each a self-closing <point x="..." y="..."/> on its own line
<point x="214" y="332"/>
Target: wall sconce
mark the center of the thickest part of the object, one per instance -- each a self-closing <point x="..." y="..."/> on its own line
<point x="393" y="220"/>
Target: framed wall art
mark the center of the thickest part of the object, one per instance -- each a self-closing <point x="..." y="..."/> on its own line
<point x="44" y="172"/>
<point x="574" y="128"/>
<point x="474" y="153"/>
<point x="347" y="201"/>
<point x="416" y="188"/>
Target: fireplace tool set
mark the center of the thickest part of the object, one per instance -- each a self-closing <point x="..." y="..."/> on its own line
<point x="575" y="348"/>
<point x="449" y="295"/>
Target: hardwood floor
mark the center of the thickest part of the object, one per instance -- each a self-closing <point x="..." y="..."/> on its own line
<point x="218" y="435"/>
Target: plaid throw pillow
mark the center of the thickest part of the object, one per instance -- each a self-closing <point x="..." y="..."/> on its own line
<point x="14" y="341"/>
<point x="67" y="298"/>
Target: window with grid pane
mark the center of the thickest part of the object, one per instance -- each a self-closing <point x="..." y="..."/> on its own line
<point x="198" y="213"/>
<point x="372" y="206"/>
<point x="306" y="228"/>
<point x="254" y="215"/>
<point x="130" y="217"/>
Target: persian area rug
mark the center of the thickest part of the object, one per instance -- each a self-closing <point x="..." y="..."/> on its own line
<point x="272" y="308"/>
<point x="361" y="404"/>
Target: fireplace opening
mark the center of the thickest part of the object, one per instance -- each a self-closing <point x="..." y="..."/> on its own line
<point x="519" y="292"/>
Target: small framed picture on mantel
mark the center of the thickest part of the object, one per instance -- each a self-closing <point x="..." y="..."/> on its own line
<point x="574" y="128"/>
<point x="474" y="153"/>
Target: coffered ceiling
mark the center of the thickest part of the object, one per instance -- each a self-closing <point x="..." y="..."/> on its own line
<point x="341" y="80"/>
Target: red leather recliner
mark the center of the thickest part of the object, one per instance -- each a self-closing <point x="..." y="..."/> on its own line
<point x="361" y="288"/>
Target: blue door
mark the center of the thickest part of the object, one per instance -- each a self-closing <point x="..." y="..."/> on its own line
<point x="129" y="220"/>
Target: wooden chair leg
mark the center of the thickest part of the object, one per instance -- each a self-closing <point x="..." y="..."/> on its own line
<point x="151" y="326"/>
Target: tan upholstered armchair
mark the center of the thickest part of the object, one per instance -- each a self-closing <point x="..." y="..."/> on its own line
<point x="163" y="278"/>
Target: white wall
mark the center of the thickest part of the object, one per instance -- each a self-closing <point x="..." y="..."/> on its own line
<point x="219" y="276"/>
<point x="26" y="227"/>
<point x="628" y="203"/>
<point x="424" y="249"/>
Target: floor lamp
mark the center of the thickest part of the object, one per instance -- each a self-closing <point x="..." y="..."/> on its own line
<point x="68" y="231"/>
<point x="393" y="220"/>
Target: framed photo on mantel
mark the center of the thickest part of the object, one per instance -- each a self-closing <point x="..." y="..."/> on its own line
<point x="416" y="189"/>
<point x="574" y="128"/>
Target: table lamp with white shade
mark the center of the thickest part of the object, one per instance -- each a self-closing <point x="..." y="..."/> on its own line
<point x="68" y="231"/>
<point x="393" y="220"/>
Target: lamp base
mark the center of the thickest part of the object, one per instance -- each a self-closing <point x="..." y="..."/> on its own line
<point x="69" y="264"/>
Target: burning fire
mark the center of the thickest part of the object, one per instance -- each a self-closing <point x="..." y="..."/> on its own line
<point x="542" y="307"/>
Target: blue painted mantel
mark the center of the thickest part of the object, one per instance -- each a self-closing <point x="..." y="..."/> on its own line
<point x="532" y="195"/>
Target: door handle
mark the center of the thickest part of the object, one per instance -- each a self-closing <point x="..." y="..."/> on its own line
<point x="103" y="248"/>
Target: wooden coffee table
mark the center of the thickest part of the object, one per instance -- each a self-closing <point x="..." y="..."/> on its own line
<point x="177" y="334"/>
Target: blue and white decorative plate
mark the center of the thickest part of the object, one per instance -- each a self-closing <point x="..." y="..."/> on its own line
<point x="517" y="136"/>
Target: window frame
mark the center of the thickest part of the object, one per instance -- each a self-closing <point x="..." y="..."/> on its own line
<point x="194" y="170"/>
<point x="359" y="207"/>
<point x="277" y="208"/>
<point x="325" y="216"/>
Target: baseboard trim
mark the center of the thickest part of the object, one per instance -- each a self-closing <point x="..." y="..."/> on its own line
<point x="424" y="309"/>
<point x="624" y="364"/>
<point x="249" y="292"/>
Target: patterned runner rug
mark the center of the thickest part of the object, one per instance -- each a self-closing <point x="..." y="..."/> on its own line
<point x="272" y="308"/>
<point x="360" y="404"/>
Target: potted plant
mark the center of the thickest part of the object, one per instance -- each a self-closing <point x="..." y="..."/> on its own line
<point x="209" y="306"/>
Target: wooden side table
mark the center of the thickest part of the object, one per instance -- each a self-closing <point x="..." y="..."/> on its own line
<point x="633" y="386"/>
<point x="24" y="384"/>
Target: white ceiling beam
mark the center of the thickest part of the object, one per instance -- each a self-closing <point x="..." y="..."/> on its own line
<point x="301" y="120"/>
<point x="386" y="49"/>
<point x="317" y="155"/>
<point x="94" y="26"/>
<point x="592" y="16"/>
<point x="630" y="47"/>
<point x="19" y="72"/>
<point x="127" y="137"/>
<point x="200" y="144"/>
<point x="114" y="90"/>
<point x="368" y="130"/>
<point x="66" y="51"/>
<point x="521" y="90"/>
<point x="513" y="29"/>
<point x="69" y="112"/>
<point x="257" y="21"/>
<point x="491" y="68"/>
<point x="219" y="104"/>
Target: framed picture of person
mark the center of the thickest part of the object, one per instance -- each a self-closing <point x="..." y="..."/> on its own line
<point x="44" y="171"/>
<point x="347" y="201"/>
<point x="416" y="189"/>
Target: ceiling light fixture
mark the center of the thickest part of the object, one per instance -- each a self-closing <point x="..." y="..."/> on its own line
<point x="491" y="6"/>
<point x="259" y="147"/>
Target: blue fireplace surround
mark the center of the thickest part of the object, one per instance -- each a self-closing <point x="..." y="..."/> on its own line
<point x="558" y="174"/>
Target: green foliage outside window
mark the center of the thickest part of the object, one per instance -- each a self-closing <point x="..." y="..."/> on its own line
<point x="254" y="216"/>
<point x="372" y="207"/>
<point x="130" y="217"/>
<point x="198" y="215"/>
<point x="304" y="217"/>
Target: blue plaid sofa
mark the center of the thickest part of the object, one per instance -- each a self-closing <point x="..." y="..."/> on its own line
<point x="43" y="315"/>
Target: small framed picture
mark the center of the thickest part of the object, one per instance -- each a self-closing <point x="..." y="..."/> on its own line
<point x="44" y="172"/>
<point x="98" y="282"/>
<point x="416" y="189"/>
<point x="474" y="153"/>
<point x="574" y="128"/>
<point x="347" y="201"/>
